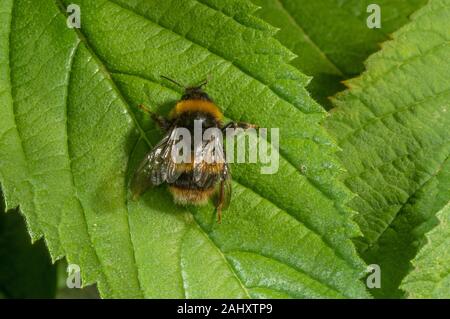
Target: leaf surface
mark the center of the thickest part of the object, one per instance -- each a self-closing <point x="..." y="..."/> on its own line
<point x="71" y="134"/>
<point x="392" y="125"/>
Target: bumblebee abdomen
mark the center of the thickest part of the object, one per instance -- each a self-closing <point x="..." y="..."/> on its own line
<point x="189" y="183"/>
<point x="206" y="168"/>
<point x="186" y="196"/>
<point x="186" y="190"/>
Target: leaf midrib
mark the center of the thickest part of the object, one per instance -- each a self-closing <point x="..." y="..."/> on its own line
<point x="301" y="272"/>
<point x="297" y="23"/>
<point x="82" y="39"/>
<point x="408" y="200"/>
<point x="222" y="255"/>
<point x="375" y="168"/>
<point x="72" y="180"/>
<point x="22" y="148"/>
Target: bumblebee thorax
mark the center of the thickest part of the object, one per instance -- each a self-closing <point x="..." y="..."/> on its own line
<point x="196" y="101"/>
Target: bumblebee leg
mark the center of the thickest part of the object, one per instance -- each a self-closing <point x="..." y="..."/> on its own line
<point x="161" y="121"/>
<point x="242" y="125"/>
<point x="220" y="201"/>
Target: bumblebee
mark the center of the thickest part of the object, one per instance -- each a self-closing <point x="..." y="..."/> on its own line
<point x="199" y="180"/>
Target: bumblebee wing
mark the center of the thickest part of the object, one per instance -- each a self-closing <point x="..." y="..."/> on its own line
<point x="208" y="157"/>
<point x="157" y="166"/>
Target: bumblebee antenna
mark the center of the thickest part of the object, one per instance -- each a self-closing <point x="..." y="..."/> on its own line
<point x="205" y="81"/>
<point x="173" y="81"/>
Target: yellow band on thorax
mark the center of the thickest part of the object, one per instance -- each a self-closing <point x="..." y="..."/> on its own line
<point x="196" y="106"/>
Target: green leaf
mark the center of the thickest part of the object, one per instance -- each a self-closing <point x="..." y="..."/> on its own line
<point x="331" y="37"/>
<point x="71" y="134"/>
<point x="26" y="270"/>
<point x="431" y="275"/>
<point x="392" y="126"/>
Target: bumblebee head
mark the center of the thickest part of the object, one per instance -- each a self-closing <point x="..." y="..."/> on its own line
<point x="195" y="93"/>
<point x="192" y="92"/>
